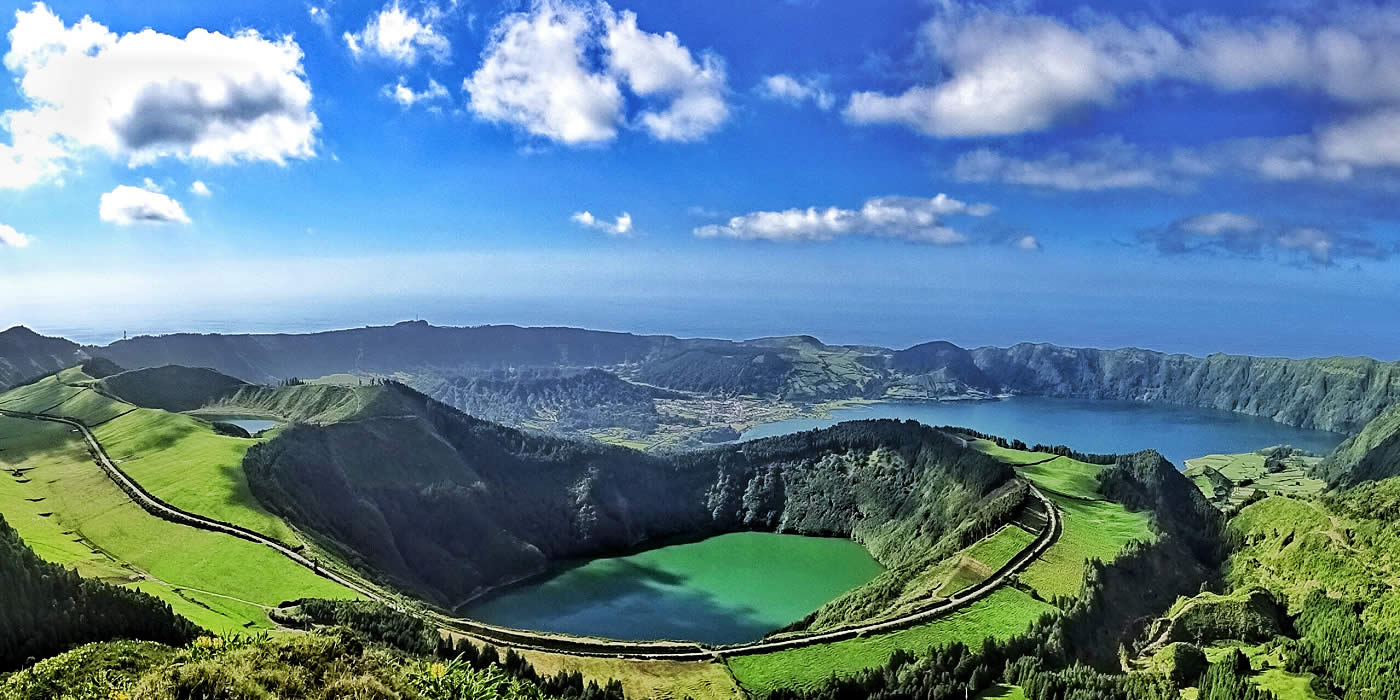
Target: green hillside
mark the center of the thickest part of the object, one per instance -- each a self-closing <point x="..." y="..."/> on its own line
<point x="1370" y="455"/>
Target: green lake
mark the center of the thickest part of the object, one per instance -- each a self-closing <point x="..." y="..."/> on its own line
<point x="722" y="590"/>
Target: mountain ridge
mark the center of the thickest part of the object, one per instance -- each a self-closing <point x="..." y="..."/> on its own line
<point x="1340" y="394"/>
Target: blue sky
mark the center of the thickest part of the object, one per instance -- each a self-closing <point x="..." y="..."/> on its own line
<point x="1194" y="176"/>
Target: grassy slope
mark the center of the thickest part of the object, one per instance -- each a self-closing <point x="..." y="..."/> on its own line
<point x="179" y="459"/>
<point x="182" y="461"/>
<point x="1067" y="476"/>
<point x="985" y="557"/>
<point x="1091" y="530"/>
<point x="1002" y="691"/>
<point x="662" y="680"/>
<point x="1004" y="613"/>
<point x="84" y="502"/>
<point x="1297" y="546"/>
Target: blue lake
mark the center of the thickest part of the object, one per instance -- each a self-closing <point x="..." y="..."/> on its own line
<point x="1104" y="427"/>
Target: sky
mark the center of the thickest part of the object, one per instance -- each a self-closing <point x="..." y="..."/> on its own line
<point x="1185" y="176"/>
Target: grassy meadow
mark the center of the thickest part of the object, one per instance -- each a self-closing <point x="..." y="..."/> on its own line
<point x="182" y="461"/>
<point x="67" y="508"/>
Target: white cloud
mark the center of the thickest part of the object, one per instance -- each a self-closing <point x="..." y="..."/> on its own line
<point x="146" y="95"/>
<point x="407" y="96"/>
<point x="400" y="36"/>
<point x="558" y="72"/>
<point x="1370" y="140"/>
<point x="127" y="205"/>
<point x="10" y="238"/>
<point x="656" y="65"/>
<point x="1014" y="73"/>
<point x="785" y="88"/>
<point x="1028" y="242"/>
<point x="533" y="75"/>
<point x="908" y="218"/>
<point x="621" y="226"/>
<point x="199" y="188"/>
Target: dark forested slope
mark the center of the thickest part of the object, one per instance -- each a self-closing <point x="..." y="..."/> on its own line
<point x="448" y="505"/>
<point x="1337" y="393"/>
<point x="25" y="355"/>
<point x="170" y="388"/>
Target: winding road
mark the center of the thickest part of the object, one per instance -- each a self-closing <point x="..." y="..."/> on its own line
<point x="577" y="646"/>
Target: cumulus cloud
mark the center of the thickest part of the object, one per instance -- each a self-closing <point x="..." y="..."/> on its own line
<point x="127" y="205"/>
<point x="1013" y="73"/>
<point x="1248" y="236"/>
<point x="10" y="238"/>
<point x="400" y="36"/>
<point x="621" y="226"/>
<point x="657" y="66"/>
<point x="199" y="188"/>
<point x="406" y="96"/>
<point x="145" y="96"/>
<point x="907" y="218"/>
<point x="794" y="91"/>
<point x="1027" y="242"/>
<point x="1009" y="71"/>
<point x="558" y="71"/>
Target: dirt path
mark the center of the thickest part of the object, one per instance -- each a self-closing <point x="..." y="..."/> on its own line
<point x="506" y="637"/>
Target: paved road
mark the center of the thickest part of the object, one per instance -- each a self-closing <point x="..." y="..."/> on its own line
<point x="502" y="636"/>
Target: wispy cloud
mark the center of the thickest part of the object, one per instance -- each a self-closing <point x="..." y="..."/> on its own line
<point x="1230" y="233"/>
<point x="620" y="226"/>
<point x="795" y="91"/>
<point x="906" y="218"/>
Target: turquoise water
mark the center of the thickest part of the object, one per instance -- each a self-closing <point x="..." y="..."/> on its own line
<point x="1104" y="427"/>
<point x="722" y="590"/>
